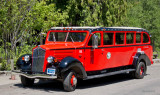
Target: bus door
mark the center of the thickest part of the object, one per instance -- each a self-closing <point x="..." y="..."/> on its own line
<point x="94" y="56"/>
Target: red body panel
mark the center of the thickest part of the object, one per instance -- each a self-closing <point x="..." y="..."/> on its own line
<point x="96" y="59"/>
<point x="120" y="56"/>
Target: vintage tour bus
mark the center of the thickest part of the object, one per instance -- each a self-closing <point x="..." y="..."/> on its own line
<point x="72" y="53"/>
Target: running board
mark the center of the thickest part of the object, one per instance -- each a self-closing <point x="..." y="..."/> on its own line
<point x="109" y="74"/>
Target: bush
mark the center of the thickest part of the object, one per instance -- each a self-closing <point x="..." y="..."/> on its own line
<point x="4" y="65"/>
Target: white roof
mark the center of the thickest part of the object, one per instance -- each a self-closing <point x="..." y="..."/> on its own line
<point x="98" y="27"/>
<point x="125" y="27"/>
<point x="86" y="27"/>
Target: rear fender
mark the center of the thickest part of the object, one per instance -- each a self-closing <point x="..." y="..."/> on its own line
<point x="141" y="57"/>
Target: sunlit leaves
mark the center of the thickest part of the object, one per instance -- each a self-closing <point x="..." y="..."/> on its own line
<point x="145" y="14"/>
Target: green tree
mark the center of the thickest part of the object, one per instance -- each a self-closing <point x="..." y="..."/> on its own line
<point x="145" y="14"/>
<point x="14" y="25"/>
<point x="23" y="21"/>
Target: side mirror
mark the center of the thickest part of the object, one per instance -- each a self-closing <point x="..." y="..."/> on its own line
<point x="95" y="41"/>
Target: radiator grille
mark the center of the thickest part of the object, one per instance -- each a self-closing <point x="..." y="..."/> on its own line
<point x="38" y="59"/>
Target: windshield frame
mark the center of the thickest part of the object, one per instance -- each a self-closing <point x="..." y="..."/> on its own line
<point x="67" y="35"/>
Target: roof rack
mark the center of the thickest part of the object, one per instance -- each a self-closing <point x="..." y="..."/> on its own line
<point x="98" y="28"/>
<point x="125" y="27"/>
<point x="86" y="27"/>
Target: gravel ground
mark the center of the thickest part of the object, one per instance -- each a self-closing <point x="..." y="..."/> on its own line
<point x="6" y="79"/>
<point x="112" y="85"/>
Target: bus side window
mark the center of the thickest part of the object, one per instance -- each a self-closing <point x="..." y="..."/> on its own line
<point x="99" y="39"/>
<point x="145" y="38"/>
<point x="108" y="38"/>
<point x="138" y="37"/>
<point x="119" y="38"/>
<point x="129" y="38"/>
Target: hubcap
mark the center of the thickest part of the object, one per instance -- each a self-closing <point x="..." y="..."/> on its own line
<point x="73" y="80"/>
<point x="141" y="71"/>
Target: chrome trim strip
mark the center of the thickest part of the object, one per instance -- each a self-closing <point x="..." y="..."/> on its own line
<point x="38" y="76"/>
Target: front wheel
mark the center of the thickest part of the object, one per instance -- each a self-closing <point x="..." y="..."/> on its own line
<point x="140" y="71"/>
<point x="27" y="81"/>
<point x="70" y="81"/>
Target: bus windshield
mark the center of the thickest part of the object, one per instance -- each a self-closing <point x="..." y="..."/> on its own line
<point x="67" y="36"/>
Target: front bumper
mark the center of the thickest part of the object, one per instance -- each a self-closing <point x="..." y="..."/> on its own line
<point x="39" y="76"/>
<point x="36" y="76"/>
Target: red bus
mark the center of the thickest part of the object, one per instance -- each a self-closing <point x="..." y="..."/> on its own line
<point x="70" y="53"/>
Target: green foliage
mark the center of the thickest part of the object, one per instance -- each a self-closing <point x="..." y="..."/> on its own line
<point x="46" y="16"/>
<point x="22" y="21"/>
<point x="4" y="65"/>
<point x="95" y="12"/>
<point x="145" y="14"/>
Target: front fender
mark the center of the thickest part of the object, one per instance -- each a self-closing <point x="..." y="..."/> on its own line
<point x="72" y="63"/>
<point x="67" y="61"/>
<point x="21" y="64"/>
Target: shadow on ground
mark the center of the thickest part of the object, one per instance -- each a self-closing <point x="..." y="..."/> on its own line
<point x="82" y="84"/>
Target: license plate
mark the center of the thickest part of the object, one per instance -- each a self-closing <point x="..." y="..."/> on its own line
<point x="51" y="71"/>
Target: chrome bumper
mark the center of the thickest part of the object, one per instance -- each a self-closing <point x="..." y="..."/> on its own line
<point x="36" y="76"/>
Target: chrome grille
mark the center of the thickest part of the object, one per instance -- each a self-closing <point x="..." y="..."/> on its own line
<point x="38" y="59"/>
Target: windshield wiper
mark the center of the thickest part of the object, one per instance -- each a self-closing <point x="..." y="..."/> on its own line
<point x="71" y="39"/>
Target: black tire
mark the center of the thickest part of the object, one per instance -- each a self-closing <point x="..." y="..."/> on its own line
<point x="27" y="81"/>
<point x="140" y="71"/>
<point x="67" y="84"/>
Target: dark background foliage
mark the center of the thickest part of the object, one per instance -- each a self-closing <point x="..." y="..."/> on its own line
<point x="23" y="21"/>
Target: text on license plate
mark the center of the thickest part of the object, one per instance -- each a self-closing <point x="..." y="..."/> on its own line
<point x="51" y="71"/>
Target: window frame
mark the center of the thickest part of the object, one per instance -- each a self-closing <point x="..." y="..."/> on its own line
<point x="124" y="41"/>
<point x="147" y="36"/>
<point x="133" y="38"/>
<point x="78" y="31"/>
<point x="54" y="35"/>
<point x="113" y="38"/>
<point x="140" y="38"/>
<point x="101" y="33"/>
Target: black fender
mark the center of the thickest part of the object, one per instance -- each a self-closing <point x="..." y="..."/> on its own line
<point x="72" y="63"/>
<point x="24" y="66"/>
<point x="141" y="57"/>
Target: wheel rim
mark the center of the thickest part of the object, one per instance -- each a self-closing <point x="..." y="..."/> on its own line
<point x="141" y="70"/>
<point x="73" y="80"/>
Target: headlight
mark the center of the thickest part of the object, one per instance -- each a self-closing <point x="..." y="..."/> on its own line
<point x="50" y="59"/>
<point x="26" y="58"/>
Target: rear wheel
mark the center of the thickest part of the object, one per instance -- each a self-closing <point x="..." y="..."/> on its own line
<point x="27" y="81"/>
<point x="140" y="71"/>
<point x="70" y="81"/>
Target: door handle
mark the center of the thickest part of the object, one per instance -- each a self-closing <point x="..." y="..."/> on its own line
<point x="102" y="51"/>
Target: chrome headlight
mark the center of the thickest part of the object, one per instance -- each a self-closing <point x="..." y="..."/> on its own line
<point x="50" y="59"/>
<point x="26" y="58"/>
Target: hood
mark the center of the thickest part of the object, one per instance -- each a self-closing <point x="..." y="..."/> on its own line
<point x="62" y="45"/>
